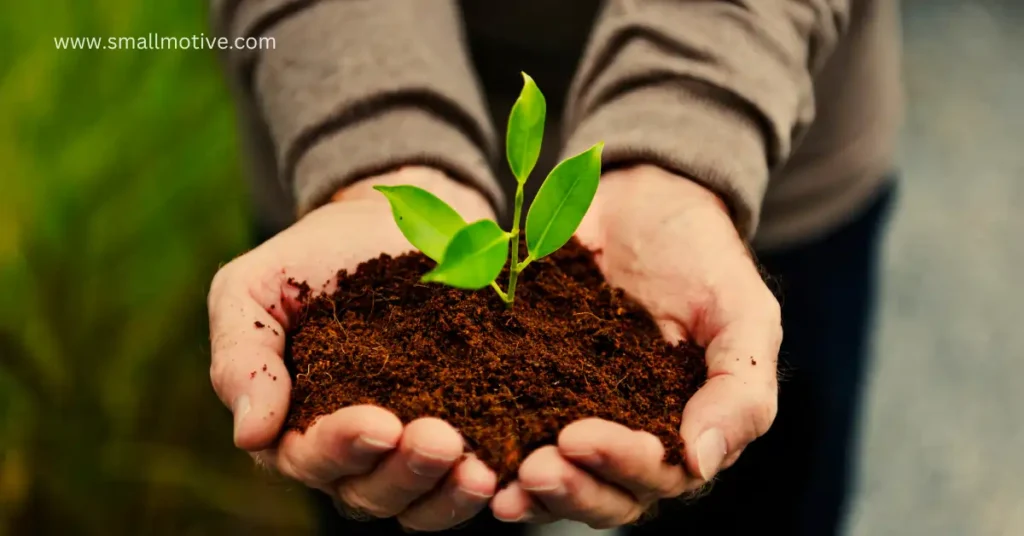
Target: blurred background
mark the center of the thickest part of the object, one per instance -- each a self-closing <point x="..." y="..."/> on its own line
<point x="122" y="194"/>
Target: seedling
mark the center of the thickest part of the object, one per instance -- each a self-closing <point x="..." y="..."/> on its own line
<point x="471" y="256"/>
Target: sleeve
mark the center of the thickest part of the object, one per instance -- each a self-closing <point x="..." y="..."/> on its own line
<point x="717" y="91"/>
<point x="353" y="88"/>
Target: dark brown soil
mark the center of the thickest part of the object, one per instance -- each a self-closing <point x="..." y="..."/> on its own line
<point x="509" y="381"/>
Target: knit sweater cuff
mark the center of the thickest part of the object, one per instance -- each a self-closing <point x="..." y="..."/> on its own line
<point x="389" y="140"/>
<point x="684" y="128"/>
<point x="352" y="89"/>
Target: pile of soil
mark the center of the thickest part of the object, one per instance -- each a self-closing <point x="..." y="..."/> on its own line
<point x="508" y="380"/>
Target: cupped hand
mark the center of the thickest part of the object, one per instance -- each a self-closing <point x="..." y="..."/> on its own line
<point x="362" y="456"/>
<point x="670" y="244"/>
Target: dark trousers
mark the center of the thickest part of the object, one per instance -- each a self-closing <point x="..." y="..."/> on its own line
<point x="796" y="479"/>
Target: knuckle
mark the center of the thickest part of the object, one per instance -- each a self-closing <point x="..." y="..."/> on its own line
<point x="287" y="466"/>
<point x="672" y="489"/>
<point x="218" y="377"/>
<point x="671" y="483"/>
<point x="220" y="279"/>
<point x="220" y="342"/>
<point x="649" y="473"/>
<point x="651" y="448"/>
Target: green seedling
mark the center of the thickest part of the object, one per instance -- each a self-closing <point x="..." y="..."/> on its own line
<point x="471" y="256"/>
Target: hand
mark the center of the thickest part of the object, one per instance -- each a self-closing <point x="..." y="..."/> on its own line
<point x="362" y="455"/>
<point x="671" y="245"/>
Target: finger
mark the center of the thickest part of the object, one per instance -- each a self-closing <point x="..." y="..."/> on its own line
<point x="246" y="368"/>
<point x="350" y="441"/>
<point x="428" y="449"/>
<point x="464" y="494"/>
<point x="569" y="492"/>
<point x="739" y="401"/>
<point x="513" y="504"/>
<point x="630" y="459"/>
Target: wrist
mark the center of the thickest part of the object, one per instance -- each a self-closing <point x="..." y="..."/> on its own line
<point x="469" y="202"/>
<point x="646" y="179"/>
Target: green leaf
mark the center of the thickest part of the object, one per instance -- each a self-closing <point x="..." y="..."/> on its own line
<point x="525" y="129"/>
<point x="562" y="201"/>
<point x="474" y="258"/>
<point x="426" y="221"/>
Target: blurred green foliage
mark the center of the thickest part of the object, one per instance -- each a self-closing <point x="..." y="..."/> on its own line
<point x="121" y="195"/>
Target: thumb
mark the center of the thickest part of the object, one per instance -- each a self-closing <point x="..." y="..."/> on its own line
<point x="247" y="369"/>
<point x="739" y="401"/>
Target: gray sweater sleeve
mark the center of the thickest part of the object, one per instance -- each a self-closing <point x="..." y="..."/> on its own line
<point x="353" y="88"/>
<point x="719" y="91"/>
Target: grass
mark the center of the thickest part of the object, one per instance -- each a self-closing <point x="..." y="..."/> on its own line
<point x="121" y="195"/>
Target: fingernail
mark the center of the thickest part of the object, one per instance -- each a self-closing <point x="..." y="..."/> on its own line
<point x="711" y="450"/>
<point x="526" y="517"/>
<point x="431" y="465"/>
<point x="365" y="445"/>
<point x="464" y="497"/>
<point x="550" y="490"/>
<point x="240" y="409"/>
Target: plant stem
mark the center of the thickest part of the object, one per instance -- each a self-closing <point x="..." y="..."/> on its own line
<point x="502" y="295"/>
<point x="514" y="267"/>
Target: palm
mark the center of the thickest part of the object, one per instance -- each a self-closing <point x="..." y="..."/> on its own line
<point x="671" y="245"/>
<point x="362" y="456"/>
<point x="335" y="237"/>
<point x="667" y="250"/>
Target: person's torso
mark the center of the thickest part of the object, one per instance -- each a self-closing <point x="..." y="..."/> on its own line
<point x="835" y="168"/>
